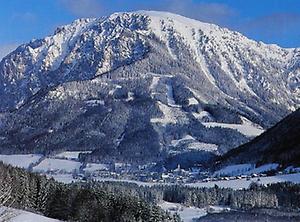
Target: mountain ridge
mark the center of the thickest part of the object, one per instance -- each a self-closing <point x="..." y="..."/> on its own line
<point x="105" y="84"/>
<point x="83" y="24"/>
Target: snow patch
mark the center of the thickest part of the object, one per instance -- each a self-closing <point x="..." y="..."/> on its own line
<point x="193" y="101"/>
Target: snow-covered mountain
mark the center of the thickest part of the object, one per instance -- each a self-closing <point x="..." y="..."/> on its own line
<point x="154" y="83"/>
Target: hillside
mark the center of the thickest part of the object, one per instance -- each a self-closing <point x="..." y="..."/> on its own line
<point x="280" y="144"/>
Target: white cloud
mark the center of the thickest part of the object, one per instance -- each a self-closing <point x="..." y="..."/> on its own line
<point x="5" y="49"/>
<point x="207" y="12"/>
<point x="24" y="17"/>
<point x="83" y="8"/>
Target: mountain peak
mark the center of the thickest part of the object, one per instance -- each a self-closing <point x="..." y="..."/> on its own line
<point x="88" y="48"/>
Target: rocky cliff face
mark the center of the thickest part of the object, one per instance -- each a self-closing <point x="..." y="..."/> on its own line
<point x="143" y="86"/>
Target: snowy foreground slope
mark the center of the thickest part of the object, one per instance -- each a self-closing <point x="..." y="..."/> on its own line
<point x="143" y="86"/>
<point x="14" y="215"/>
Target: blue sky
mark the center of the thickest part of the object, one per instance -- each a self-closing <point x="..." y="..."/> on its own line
<point x="270" y="21"/>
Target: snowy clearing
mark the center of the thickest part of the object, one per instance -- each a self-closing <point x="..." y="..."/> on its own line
<point x="247" y="128"/>
<point x="194" y="144"/>
<point x="20" y="160"/>
<point x="187" y="214"/>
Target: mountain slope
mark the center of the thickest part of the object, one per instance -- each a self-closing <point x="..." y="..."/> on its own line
<point x="143" y="86"/>
<point x="279" y="144"/>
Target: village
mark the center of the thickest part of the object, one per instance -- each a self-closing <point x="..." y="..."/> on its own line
<point x="122" y="171"/>
<point x="66" y="167"/>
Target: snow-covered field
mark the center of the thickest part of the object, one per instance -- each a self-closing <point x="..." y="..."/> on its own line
<point x="20" y="160"/>
<point x="187" y="214"/>
<point x="57" y="165"/>
<point x="234" y="170"/>
<point x="245" y="169"/>
<point x="15" y="215"/>
<point x="93" y="167"/>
